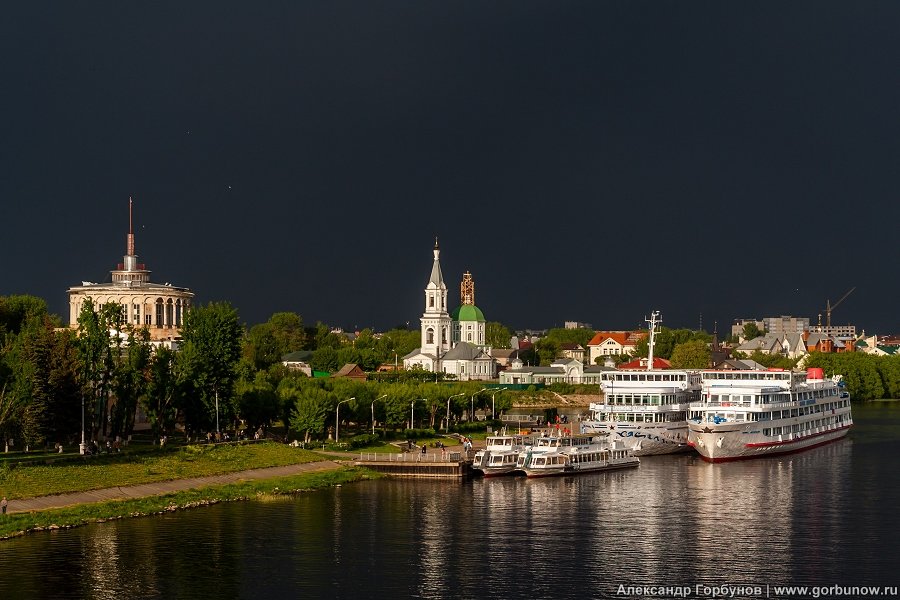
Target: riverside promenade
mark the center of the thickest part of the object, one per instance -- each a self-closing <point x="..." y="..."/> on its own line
<point x="161" y="487"/>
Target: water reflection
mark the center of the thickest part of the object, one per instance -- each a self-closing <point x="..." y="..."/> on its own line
<point x="821" y="517"/>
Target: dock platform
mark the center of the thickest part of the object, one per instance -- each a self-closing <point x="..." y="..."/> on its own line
<point x="431" y="465"/>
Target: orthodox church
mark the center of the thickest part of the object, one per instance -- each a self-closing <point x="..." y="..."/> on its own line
<point x="452" y="343"/>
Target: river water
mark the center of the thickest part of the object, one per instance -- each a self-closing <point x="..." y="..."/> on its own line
<point x="827" y="516"/>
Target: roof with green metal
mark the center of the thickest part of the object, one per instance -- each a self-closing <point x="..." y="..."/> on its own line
<point x="467" y="312"/>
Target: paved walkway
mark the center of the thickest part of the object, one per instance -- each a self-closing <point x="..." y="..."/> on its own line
<point x="161" y="487"/>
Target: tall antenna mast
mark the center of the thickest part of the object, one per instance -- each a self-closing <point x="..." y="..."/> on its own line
<point x="653" y="321"/>
<point x="130" y="250"/>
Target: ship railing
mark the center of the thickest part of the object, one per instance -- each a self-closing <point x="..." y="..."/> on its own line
<point x="639" y="407"/>
<point x="758" y="405"/>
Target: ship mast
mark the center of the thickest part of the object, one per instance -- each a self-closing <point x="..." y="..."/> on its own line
<point x="653" y="321"/>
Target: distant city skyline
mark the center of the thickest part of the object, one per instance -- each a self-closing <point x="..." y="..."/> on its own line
<point x="587" y="161"/>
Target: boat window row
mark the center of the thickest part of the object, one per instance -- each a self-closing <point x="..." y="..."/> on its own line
<point x="809" y="426"/>
<point x="643" y="399"/>
<point x="630" y="417"/>
<point x="746" y="399"/>
<point x="638" y="376"/>
<point x="751" y="376"/>
<point x="589" y="457"/>
<point x="771" y="415"/>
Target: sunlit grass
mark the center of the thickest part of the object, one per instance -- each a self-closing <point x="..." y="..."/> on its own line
<point x="20" y="523"/>
<point x="129" y="469"/>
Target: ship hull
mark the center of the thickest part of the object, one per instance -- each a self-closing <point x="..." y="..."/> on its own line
<point x="643" y="440"/>
<point x="730" y="445"/>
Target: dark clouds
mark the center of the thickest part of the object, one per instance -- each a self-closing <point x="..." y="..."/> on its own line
<point x="585" y="160"/>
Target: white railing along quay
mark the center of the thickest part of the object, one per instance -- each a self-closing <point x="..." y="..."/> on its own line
<point x="413" y="457"/>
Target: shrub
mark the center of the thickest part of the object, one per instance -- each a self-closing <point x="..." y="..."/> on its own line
<point x="476" y="426"/>
<point x="415" y="434"/>
<point x="362" y="440"/>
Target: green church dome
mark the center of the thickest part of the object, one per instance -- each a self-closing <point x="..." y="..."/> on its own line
<point x="467" y="312"/>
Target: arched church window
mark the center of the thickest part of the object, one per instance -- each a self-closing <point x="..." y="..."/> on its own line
<point x="429" y="336"/>
<point x="469" y="337"/>
<point x="430" y="300"/>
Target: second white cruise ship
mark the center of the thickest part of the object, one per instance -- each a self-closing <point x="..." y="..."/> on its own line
<point x="745" y="414"/>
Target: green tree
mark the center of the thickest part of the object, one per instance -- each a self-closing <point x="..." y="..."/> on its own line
<point x="691" y="355"/>
<point x="751" y="331"/>
<point x="130" y="381"/>
<point x="208" y="365"/>
<point x="261" y="347"/>
<point x="393" y="345"/>
<point x="547" y="350"/>
<point x="666" y="339"/>
<point x="161" y="400"/>
<point x="572" y="336"/>
<point x="96" y="359"/>
<point x="496" y="335"/>
<point x="257" y="402"/>
<point x="15" y="310"/>
<point x="311" y="406"/>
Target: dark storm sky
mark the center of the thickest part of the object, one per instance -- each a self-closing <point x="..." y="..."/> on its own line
<point x="585" y="160"/>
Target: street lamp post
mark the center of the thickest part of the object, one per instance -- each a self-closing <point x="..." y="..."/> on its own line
<point x="82" y="447"/>
<point x="447" y="428"/>
<point x="493" y="411"/>
<point x="217" y="413"/>
<point x="337" y="420"/>
<point x="473" y="402"/>
<point x="373" y="410"/>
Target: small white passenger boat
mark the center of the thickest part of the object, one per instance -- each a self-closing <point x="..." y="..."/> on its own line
<point x="500" y="454"/>
<point x="574" y="460"/>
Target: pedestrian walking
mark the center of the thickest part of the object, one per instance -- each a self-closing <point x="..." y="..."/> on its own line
<point x="3" y="505"/>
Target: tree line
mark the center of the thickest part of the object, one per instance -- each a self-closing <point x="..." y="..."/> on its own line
<point x="58" y="384"/>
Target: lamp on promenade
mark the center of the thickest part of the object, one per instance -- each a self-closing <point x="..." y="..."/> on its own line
<point x="473" y="403"/>
<point x="493" y="415"/>
<point x="82" y="447"/>
<point x="337" y="420"/>
<point x="447" y="428"/>
<point x="373" y="410"/>
<point x="217" y="413"/>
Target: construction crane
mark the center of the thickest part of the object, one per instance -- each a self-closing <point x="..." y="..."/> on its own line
<point x="830" y="307"/>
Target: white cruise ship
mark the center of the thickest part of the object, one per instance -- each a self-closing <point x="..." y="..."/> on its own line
<point x="745" y="414"/>
<point x="648" y="409"/>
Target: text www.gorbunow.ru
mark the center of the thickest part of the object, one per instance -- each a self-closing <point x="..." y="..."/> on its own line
<point x="754" y="591"/>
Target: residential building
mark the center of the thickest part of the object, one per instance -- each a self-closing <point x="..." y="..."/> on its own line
<point x="572" y="350"/>
<point x="613" y="343"/>
<point x="298" y="361"/>
<point x="351" y="371"/>
<point x="561" y="370"/>
<point x="786" y="324"/>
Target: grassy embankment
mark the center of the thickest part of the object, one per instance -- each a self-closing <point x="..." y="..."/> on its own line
<point x="180" y="463"/>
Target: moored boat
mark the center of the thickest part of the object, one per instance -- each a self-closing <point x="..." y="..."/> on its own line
<point x="500" y="454"/>
<point x="576" y="460"/>
<point x="645" y="409"/>
<point x="746" y="414"/>
<point x="550" y="444"/>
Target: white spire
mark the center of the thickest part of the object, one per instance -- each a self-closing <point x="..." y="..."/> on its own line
<point x="437" y="277"/>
